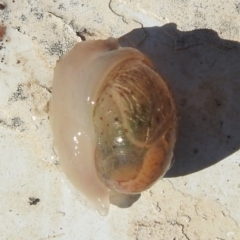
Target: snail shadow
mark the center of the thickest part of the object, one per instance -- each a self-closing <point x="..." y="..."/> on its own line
<point x="204" y="74"/>
<point x="123" y="200"/>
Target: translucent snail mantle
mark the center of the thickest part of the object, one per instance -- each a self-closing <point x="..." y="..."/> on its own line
<point x="113" y="120"/>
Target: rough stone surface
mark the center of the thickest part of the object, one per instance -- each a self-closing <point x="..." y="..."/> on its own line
<point x="195" y="46"/>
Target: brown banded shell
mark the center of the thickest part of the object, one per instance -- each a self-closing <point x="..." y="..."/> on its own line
<point x="135" y="120"/>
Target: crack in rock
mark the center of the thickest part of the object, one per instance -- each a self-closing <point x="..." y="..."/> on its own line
<point x="55" y="15"/>
<point x="113" y="11"/>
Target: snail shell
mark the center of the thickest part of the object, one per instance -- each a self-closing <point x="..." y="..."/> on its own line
<point x="113" y="120"/>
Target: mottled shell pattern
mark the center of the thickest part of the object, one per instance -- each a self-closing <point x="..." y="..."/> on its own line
<point x="135" y="119"/>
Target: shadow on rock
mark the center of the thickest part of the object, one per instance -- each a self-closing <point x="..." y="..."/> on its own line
<point x="203" y="72"/>
<point x="123" y="200"/>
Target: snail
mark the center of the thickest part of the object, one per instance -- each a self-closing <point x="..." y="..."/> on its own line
<point x="113" y="120"/>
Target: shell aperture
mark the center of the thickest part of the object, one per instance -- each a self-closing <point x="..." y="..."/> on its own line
<point x="113" y="120"/>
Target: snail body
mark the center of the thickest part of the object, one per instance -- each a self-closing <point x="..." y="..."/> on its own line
<point x="113" y="120"/>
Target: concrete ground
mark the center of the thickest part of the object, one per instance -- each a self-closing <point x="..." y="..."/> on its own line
<point x="195" y="46"/>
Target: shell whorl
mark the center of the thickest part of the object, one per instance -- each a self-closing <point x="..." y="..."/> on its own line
<point x="135" y="119"/>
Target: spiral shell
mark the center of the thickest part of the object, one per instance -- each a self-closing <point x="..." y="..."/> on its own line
<point x="113" y="120"/>
<point x="134" y="118"/>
